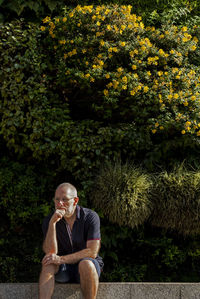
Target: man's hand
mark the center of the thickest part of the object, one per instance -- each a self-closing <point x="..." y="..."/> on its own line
<point x="51" y="258"/>
<point x="58" y="215"/>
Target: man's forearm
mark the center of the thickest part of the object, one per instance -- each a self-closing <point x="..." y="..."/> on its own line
<point x="77" y="256"/>
<point x="50" y="242"/>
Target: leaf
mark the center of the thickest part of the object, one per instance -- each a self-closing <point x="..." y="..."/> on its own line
<point x="51" y="4"/>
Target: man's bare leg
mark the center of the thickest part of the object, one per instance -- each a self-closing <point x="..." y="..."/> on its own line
<point x="47" y="281"/>
<point x="89" y="279"/>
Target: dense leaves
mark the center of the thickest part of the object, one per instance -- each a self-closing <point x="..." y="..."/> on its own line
<point x="80" y="92"/>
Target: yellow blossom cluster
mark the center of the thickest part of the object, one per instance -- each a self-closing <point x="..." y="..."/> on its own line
<point x="115" y="53"/>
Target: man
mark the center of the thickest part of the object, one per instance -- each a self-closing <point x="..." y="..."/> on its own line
<point x="71" y="245"/>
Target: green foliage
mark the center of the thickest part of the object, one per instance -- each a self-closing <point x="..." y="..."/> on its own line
<point x="30" y="114"/>
<point x="95" y="87"/>
<point x="176" y="197"/>
<point x="122" y="193"/>
<point x="152" y="255"/>
<point x="24" y="193"/>
<point x="111" y="66"/>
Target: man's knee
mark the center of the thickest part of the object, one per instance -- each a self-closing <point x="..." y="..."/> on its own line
<point x="51" y="269"/>
<point x="86" y="266"/>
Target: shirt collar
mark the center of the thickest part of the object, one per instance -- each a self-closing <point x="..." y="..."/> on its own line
<point x="77" y="212"/>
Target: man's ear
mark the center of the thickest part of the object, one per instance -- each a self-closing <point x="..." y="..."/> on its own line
<point x="76" y="199"/>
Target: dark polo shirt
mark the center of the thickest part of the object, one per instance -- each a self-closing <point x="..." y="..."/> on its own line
<point x="86" y="227"/>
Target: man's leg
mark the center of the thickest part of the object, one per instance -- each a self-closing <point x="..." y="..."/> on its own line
<point x="89" y="279"/>
<point x="47" y="281"/>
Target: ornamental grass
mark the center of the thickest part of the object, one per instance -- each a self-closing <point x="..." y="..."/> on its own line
<point x="176" y="198"/>
<point x="121" y="192"/>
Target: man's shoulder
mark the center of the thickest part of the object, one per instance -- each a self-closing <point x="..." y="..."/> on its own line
<point x="88" y="214"/>
<point x="87" y="211"/>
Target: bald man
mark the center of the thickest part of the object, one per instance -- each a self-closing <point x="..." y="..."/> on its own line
<point x="71" y="245"/>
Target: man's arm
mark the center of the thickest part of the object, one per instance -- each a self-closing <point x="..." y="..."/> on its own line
<point x="50" y="242"/>
<point x="91" y="251"/>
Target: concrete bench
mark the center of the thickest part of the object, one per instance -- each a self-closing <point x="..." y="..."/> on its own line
<point x="127" y="290"/>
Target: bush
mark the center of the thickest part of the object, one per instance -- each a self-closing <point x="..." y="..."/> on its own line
<point x="111" y="66"/>
<point x="121" y="192"/>
<point x="176" y="197"/>
<point x="25" y="199"/>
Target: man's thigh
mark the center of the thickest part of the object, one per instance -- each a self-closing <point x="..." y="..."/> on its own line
<point x="70" y="272"/>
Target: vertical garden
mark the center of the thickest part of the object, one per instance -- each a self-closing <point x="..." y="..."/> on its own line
<point x="105" y="96"/>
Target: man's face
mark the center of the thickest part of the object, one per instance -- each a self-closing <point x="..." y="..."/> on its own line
<point x="64" y="200"/>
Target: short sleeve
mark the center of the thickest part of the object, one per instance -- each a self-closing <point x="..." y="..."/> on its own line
<point x="93" y="226"/>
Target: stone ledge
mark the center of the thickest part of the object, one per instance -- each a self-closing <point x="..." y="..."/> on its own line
<point x="128" y="290"/>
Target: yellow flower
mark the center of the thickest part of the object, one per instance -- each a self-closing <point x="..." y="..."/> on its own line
<point x="87" y="75"/>
<point x="146" y="88"/>
<point x="193" y="98"/>
<point x="42" y="28"/>
<point x="134" y="67"/>
<point x="109" y="27"/>
<point x="62" y="42"/>
<point x="132" y="92"/>
<point x="123" y="27"/>
<point x="183" y="132"/>
<point x="107" y="76"/>
<point x="124" y="86"/>
<point x="176" y="96"/>
<point x="156" y="125"/>
<point x="92" y="80"/>
<point x="102" y="43"/>
<point x="46" y="20"/>
<point x="64" y="19"/>
<point x="98" y="23"/>
<point x="160" y="73"/>
<point x="184" y="39"/>
<point x="115" y="49"/>
<point x="57" y="20"/>
<point x="115" y="84"/>
<point x="123" y="44"/>
<point x="184" y="29"/>
<point x="71" y="14"/>
<point x="193" y="48"/>
<point x="105" y="92"/>
<point x="120" y="69"/>
<point x="161" y="128"/>
<point x="110" y="50"/>
<point x="185" y="103"/>
<point x="154" y="131"/>
<point x="198" y="133"/>
<point x="124" y="79"/>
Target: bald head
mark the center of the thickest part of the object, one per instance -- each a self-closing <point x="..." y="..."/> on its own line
<point x="69" y="188"/>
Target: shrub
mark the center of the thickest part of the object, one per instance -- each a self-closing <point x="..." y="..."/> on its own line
<point x="176" y="197"/>
<point x="112" y="67"/>
<point x="121" y="192"/>
<point x="25" y="199"/>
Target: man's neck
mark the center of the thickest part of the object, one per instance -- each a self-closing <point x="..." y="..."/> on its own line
<point x="71" y="218"/>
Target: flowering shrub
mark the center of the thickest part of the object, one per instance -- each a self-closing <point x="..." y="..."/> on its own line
<point x="106" y="59"/>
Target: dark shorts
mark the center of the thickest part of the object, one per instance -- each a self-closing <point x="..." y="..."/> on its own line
<point x="70" y="273"/>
